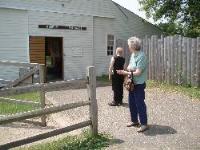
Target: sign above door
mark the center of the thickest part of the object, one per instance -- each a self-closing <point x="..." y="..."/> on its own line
<point x="62" y="27"/>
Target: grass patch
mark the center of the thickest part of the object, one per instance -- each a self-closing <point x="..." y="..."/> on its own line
<point x="103" y="78"/>
<point x="84" y="141"/>
<point x="192" y="92"/>
<point x="34" y="96"/>
<point x="8" y="108"/>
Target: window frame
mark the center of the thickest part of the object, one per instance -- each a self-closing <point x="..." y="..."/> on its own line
<point x="110" y="52"/>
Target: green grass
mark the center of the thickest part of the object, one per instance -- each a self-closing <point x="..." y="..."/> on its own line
<point x="84" y="141"/>
<point x="103" y="78"/>
<point x="192" y="92"/>
<point x="34" y="96"/>
<point x="8" y="108"/>
<point x="103" y="81"/>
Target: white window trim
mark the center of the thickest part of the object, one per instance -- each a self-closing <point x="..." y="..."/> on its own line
<point x="114" y="45"/>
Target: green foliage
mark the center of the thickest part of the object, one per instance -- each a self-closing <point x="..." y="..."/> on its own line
<point x="87" y="143"/>
<point x="83" y="142"/>
<point x="174" y="16"/>
<point x="187" y="90"/>
<point x="170" y="28"/>
<point x="103" y="79"/>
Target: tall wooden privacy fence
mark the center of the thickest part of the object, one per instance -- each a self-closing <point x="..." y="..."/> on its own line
<point x="172" y="59"/>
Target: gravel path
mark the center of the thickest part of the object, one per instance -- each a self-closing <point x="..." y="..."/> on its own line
<point x="174" y="119"/>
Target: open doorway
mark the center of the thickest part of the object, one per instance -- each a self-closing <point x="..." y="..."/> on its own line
<point x="48" y="51"/>
<point x="54" y="58"/>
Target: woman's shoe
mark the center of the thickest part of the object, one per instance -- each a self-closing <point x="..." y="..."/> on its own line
<point x="143" y="128"/>
<point x="133" y="124"/>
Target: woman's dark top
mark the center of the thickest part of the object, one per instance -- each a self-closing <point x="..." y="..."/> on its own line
<point x="118" y="64"/>
<point x="117" y="80"/>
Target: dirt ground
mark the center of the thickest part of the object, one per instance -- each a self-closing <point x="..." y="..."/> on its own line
<point x="174" y="120"/>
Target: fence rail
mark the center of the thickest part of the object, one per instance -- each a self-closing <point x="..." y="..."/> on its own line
<point x="44" y="135"/>
<point x="57" y="86"/>
<point x="40" y="112"/>
<point x="33" y="68"/>
<point x="47" y="87"/>
<point x="17" y="64"/>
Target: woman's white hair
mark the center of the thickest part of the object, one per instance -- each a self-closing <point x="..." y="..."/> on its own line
<point x="134" y="43"/>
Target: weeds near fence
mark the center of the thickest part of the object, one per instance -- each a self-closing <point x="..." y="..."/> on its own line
<point x="85" y="141"/>
<point x="103" y="78"/>
<point x="187" y="90"/>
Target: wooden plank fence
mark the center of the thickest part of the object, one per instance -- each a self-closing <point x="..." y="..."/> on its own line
<point x="92" y="102"/>
<point x="172" y="59"/>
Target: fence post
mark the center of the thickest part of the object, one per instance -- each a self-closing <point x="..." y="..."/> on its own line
<point x="198" y="61"/>
<point x="93" y="108"/>
<point x="42" y="92"/>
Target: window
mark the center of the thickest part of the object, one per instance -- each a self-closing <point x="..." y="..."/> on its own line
<point x="110" y="44"/>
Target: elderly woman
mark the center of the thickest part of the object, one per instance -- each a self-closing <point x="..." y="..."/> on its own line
<point x="138" y="67"/>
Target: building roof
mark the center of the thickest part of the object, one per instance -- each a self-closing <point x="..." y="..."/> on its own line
<point x="100" y="8"/>
<point x="130" y="15"/>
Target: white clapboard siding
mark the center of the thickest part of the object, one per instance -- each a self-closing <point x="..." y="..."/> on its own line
<point x="77" y="45"/>
<point x="13" y="40"/>
<point x="80" y="48"/>
<point x="102" y="27"/>
<point x="86" y="7"/>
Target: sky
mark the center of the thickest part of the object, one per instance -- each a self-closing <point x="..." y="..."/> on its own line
<point x="133" y="6"/>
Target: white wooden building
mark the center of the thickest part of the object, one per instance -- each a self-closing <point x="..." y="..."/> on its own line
<point x="66" y="35"/>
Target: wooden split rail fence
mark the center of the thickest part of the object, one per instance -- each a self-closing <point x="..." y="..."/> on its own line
<point x="33" y="69"/>
<point x="47" y="87"/>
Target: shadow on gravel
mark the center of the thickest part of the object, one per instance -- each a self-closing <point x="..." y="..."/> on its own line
<point x="126" y="105"/>
<point x="159" y="130"/>
<point x="115" y="141"/>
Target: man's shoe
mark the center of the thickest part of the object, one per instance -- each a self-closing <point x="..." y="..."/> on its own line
<point x="133" y="124"/>
<point x="120" y="104"/>
<point x="112" y="104"/>
<point x="143" y="128"/>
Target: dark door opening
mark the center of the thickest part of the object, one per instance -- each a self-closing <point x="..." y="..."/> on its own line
<point x="54" y="58"/>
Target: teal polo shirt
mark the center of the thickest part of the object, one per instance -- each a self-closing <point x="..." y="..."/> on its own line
<point x="139" y="60"/>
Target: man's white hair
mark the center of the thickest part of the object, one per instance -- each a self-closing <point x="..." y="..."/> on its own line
<point x="134" y="43"/>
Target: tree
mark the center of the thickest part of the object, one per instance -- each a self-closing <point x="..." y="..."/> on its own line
<point x="174" y="16"/>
